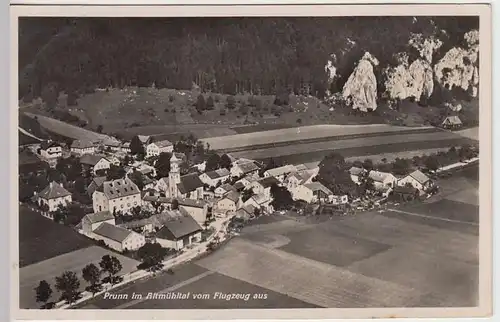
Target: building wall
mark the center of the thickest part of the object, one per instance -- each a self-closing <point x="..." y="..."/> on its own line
<point x="198" y="214"/>
<point x="52" y="152"/>
<point x="103" y="164"/>
<point x="177" y="245"/>
<point x="79" y="151"/>
<point x="415" y="184"/>
<point x="134" y="241"/>
<point x="153" y="150"/>
<point x="53" y="204"/>
<point x="303" y="193"/>
<point x="100" y="202"/>
<point x="109" y="242"/>
<point x="226" y="205"/>
<point x="124" y="204"/>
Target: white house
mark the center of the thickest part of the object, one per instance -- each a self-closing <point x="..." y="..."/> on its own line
<point x="81" y="147"/>
<point x="312" y="192"/>
<point x="95" y="162"/>
<point x="263" y="186"/>
<point x="125" y="147"/>
<point x="260" y="201"/>
<point x="213" y="178"/>
<point x="356" y="173"/>
<point x="246" y="182"/>
<point x="155" y="148"/>
<point x="382" y="180"/>
<point x="118" y="238"/>
<point x="293" y="180"/>
<point x="50" y="150"/>
<point x="417" y="180"/>
<point x="178" y="231"/>
<point x="281" y="172"/>
<point x="229" y="203"/>
<point x="91" y="221"/>
<point x="198" y="209"/>
<point x="246" y="168"/>
<point x="117" y="195"/>
<point x="452" y="122"/>
<point x="222" y="190"/>
<point x="53" y="196"/>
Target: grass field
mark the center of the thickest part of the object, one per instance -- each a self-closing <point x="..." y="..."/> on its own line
<point x="40" y="238"/>
<point x="74" y="261"/>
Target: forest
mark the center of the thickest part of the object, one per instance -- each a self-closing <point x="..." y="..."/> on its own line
<point x="225" y="55"/>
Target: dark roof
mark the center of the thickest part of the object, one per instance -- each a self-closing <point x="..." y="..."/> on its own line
<point x="98" y="181"/>
<point x="179" y="226"/>
<point x="402" y="189"/>
<point x="48" y="144"/>
<point x="268" y="182"/>
<point x="112" y="232"/>
<point x="54" y="190"/>
<point x="91" y="159"/>
<point x="189" y="182"/>
<point x="248" y="167"/>
<point x="99" y="216"/>
<point x="119" y="188"/>
<point x="226" y="187"/>
<point x="162" y="144"/>
<point x="182" y="201"/>
<point x="233" y="196"/>
<point x="239" y="185"/>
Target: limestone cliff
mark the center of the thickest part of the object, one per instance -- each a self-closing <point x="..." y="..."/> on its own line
<point x="360" y="90"/>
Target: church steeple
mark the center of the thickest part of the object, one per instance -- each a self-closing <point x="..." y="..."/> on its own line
<point x="174" y="176"/>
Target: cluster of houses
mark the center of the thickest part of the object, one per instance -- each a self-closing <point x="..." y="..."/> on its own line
<point x="187" y="200"/>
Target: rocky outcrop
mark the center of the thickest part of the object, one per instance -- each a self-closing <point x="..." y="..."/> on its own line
<point x="415" y="80"/>
<point x="360" y="90"/>
<point x="459" y="66"/>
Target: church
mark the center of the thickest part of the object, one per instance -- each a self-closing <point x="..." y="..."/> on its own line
<point x="188" y="186"/>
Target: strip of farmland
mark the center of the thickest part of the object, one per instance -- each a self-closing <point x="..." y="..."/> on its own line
<point x="297" y="134"/>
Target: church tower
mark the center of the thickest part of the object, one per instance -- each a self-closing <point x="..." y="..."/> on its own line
<point x="174" y="176"/>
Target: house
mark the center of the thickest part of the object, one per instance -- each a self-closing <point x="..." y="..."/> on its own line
<point x="213" y="178"/>
<point x="50" y="150"/>
<point x="112" y="145"/>
<point x="125" y="147"/>
<point x="404" y="193"/>
<point x="263" y="186"/>
<point x="198" y="209"/>
<point x="162" y="185"/>
<point x="261" y="202"/>
<point x="222" y="190"/>
<point x="229" y="203"/>
<point x="113" y="160"/>
<point x="246" y="168"/>
<point x="281" y="172"/>
<point x="293" y="180"/>
<point x="81" y="147"/>
<point x="246" y="182"/>
<point x="186" y="186"/>
<point x="178" y="231"/>
<point x="155" y="148"/>
<point x="245" y="212"/>
<point x="95" y="162"/>
<point x="116" y="195"/>
<point x="356" y="174"/>
<point x="239" y="186"/>
<point x="53" y="196"/>
<point x="95" y="184"/>
<point x="118" y="238"/>
<point x="91" y="221"/>
<point x="148" y="183"/>
<point x="451" y="122"/>
<point x="312" y="192"/>
<point x="417" y="180"/>
<point x="382" y="180"/>
<point x="144" y="169"/>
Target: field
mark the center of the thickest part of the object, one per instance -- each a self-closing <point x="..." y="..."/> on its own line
<point x="74" y="261"/>
<point x="40" y="238"/>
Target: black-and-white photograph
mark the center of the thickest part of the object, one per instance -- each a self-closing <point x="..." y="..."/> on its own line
<point x="248" y="162"/>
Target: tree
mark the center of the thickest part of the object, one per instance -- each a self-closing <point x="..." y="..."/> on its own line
<point x="210" y="103"/>
<point x="137" y="178"/>
<point x="162" y="165"/>
<point x="367" y="165"/>
<point x="70" y="214"/>
<point x="50" y="95"/>
<point x="115" y="172"/>
<point x="200" y="104"/>
<point x="213" y="162"/>
<point x="152" y="256"/>
<point x="175" y="204"/>
<point x="92" y="275"/>
<point x="60" y="214"/>
<point x="43" y="294"/>
<point x="99" y="128"/>
<point x="333" y="173"/>
<point x="136" y="146"/>
<point x="68" y="284"/>
<point x="432" y="163"/>
<point x="400" y="166"/>
<point x="225" y="162"/>
<point x="282" y="199"/>
<point x="230" y="102"/>
<point x="70" y="167"/>
<point x="112" y="266"/>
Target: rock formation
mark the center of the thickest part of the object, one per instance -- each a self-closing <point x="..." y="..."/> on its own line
<point x="459" y="66"/>
<point x="360" y="90"/>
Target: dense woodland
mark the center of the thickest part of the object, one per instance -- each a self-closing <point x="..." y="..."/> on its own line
<point x="229" y="55"/>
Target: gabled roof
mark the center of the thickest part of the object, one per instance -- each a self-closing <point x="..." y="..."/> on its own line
<point x="419" y="177"/>
<point x="402" y="189"/>
<point x="226" y="187"/>
<point x="268" y="182"/>
<point x="178" y="226"/>
<point x="453" y="120"/>
<point x="378" y="176"/>
<point x="247" y="167"/>
<point x="355" y="171"/>
<point x="260" y="198"/>
<point x="91" y="159"/>
<point x="98" y="181"/>
<point x="82" y="144"/>
<point x="99" y="216"/>
<point x="119" y="188"/>
<point x="143" y="138"/>
<point x="239" y="185"/>
<point x="49" y="144"/>
<point x="112" y="232"/>
<point x="162" y="144"/>
<point x="281" y="170"/>
<point x="189" y="182"/>
<point x="219" y="173"/>
<point x="233" y="196"/>
<point x="54" y="190"/>
<point x="316" y="186"/>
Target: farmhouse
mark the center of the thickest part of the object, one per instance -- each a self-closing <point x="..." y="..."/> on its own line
<point x="81" y="147"/>
<point x="155" y="148"/>
<point x="50" y="150"/>
<point x="263" y="186"/>
<point x="91" y="221"/>
<point x="95" y="162"/>
<point x="245" y="212"/>
<point x="382" y="180"/>
<point x="95" y="184"/>
<point x="222" y="190"/>
<point x="417" y="180"/>
<point x="281" y="172"/>
<point x="179" y="230"/>
<point x="356" y="173"/>
<point x="229" y="203"/>
<point x="312" y="192"/>
<point x="198" y="209"/>
<point x="244" y="168"/>
<point x="261" y="202"/>
<point x="295" y="179"/>
<point x="118" y="238"/>
<point x="452" y="122"/>
<point x="213" y="178"/>
<point x="117" y="195"/>
<point x="112" y="145"/>
<point x="53" y="196"/>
